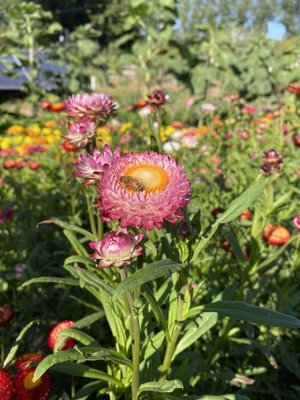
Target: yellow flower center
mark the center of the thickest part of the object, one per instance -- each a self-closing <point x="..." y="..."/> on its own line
<point x="151" y="178"/>
<point x="29" y="384"/>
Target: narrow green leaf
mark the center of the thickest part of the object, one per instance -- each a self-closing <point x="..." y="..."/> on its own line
<point x="161" y="387"/>
<point x="236" y="207"/>
<point x="79" y="336"/>
<point x="94" y="280"/>
<point x="245" y="200"/>
<point x="80" y="259"/>
<point x="70" y="227"/>
<point x="258" y="315"/>
<point x="155" y="270"/>
<point x="84" y="371"/>
<point x="88" y="320"/>
<point x="86" y="390"/>
<point x="57" y="280"/>
<point x="77" y="246"/>
<point x="79" y="354"/>
<point x="13" y="351"/>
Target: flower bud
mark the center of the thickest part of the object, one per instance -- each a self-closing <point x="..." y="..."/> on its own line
<point x="116" y="249"/>
<point x="272" y="161"/>
<point x="157" y="98"/>
<point x="186" y="230"/>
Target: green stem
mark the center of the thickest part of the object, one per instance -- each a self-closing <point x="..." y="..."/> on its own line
<point x="100" y="229"/>
<point x="172" y="343"/>
<point x="135" y="342"/>
<point x="91" y="214"/>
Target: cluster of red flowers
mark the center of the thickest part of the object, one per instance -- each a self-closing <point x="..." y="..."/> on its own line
<point x="19" y="163"/>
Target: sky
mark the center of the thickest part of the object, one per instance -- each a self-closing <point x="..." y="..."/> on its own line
<point x="276" y="30"/>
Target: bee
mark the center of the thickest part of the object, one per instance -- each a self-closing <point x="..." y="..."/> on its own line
<point x="132" y="184"/>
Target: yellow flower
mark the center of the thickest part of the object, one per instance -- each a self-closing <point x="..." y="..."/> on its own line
<point x="166" y="132"/>
<point x="35" y="130"/>
<point x="50" y="124"/>
<point x="5" y="143"/>
<point x="15" y="130"/>
<point x="46" y="131"/>
<point x="124" y="127"/>
<point x="104" y="135"/>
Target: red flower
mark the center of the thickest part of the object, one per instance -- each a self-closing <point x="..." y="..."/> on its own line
<point x="54" y="338"/>
<point x="9" y="164"/>
<point x="6" y="315"/>
<point x="57" y="107"/>
<point x="34" y="164"/>
<point x="246" y="215"/>
<point x="26" y="389"/>
<point x="45" y="105"/>
<point x="7" y="385"/>
<point x="68" y="147"/>
<point x="276" y="235"/>
<point x="293" y="88"/>
<point x="23" y="361"/>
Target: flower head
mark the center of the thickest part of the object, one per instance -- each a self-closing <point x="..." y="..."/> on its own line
<point x="276" y="235"/>
<point x="143" y="190"/>
<point x="23" y="361"/>
<point x="116" y="249"/>
<point x="96" y="106"/>
<point x="7" y="385"/>
<point x="6" y="315"/>
<point x="91" y="167"/>
<point x="296" y="221"/>
<point x="5" y="215"/>
<point x="55" y="340"/>
<point x="26" y="389"/>
<point x="272" y="161"/>
<point x="293" y="88"/>
<point x="157" y="98"/>
<point x="81" y="132"/>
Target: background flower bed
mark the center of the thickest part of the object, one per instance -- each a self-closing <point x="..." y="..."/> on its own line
<point x="221" y="143"/>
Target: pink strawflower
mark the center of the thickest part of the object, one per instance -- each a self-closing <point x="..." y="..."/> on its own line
<point x="144" y="190"/>
<point x="91" y="167"/>
<point x="116" y="249"/>
<point x="249" y="109"/>
<point x="296" y="221"/>
<point x="96" y="105"/>
<point x="81" y="132"/>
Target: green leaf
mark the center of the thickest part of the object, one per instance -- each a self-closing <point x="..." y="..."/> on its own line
<point x="79" y="354"/>
<point x="79" y="336"/>
<point x="88" y="320"/>
<point x="70" y="227"/>
<point x="257" y="315"/>
<point x="58" y="280"/>
<point x="86" y="390"/>
<point x="13" y="351"/>
<point x="83" y="371"/>
<point x="161" y="387"/>
<point x="236" y="207"/>
<point x="93" y="279"/>
<point x="245" y="200"/>
<point x="79" y="259"/>
<point x="155" y="270"/>
<point x="77" y="246"/>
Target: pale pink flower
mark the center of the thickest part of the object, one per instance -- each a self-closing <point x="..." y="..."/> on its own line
<point x="144" y="190"/>
<point x="208" y="107"/>
<point x="116" y="249"/>
<point x="96" y="105"/>
<point x="91" y="167"/>
<point x="296" y="221"/>
<point x="81" y="132"/>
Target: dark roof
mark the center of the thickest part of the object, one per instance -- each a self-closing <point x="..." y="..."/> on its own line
<point x="21" y="75"/>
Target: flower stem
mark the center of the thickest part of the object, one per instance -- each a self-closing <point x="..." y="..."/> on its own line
<point x="135" y="342"/>
<point x="91" y="214"/>
<point x="174" y="334"/>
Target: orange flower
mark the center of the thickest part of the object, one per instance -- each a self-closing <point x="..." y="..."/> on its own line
<point x="15" y="130"/>
<point x="246" y="215"/>
<point x="276" y="235"/>
<point x="50" y="124"/>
